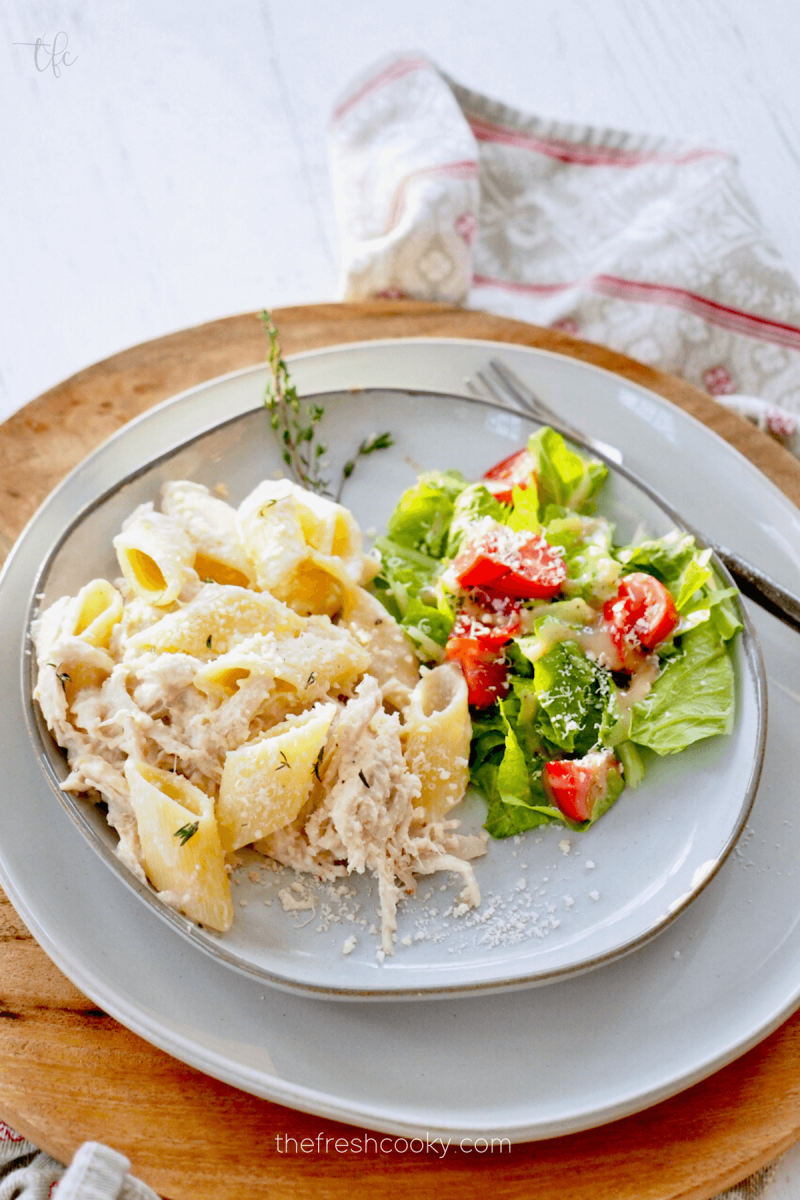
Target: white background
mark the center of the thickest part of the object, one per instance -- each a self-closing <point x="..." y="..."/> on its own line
<point x="177" y="171"/>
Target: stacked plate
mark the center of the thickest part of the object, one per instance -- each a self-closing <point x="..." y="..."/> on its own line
<point x="411" y="1044"/>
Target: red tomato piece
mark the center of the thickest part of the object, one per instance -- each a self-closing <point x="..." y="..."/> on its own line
<point x="510" y="563"/>
<point x="515" y="471"/>
<point x="485" y="670"/>
<point x="490" y="637"/>
<point x="539" y="574"/>
<point x="479" y="564"/>
<point x="642" y="613"/>
<point x="567" y="785"/>
<point x="577" y="785"/>
<point x="483" y="626"/>
<point x="493" y="610"/>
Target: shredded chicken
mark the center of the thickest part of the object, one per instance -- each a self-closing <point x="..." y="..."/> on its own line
<point x="159" y="692"/>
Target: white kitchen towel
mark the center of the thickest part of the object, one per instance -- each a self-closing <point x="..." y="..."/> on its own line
<point x="95" y="1173"/>
<point x="644" y="244"/>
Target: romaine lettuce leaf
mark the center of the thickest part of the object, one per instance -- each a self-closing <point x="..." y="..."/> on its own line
<point x="633" y="767"/>
<point x="693" y="697"/>
<point x="422" y="517"/>
<point x="667" y="558"/>
<point x="724" y="616"/>
<point x="564" y="478"/>
<point x="525" y="509"/>
<point x="697" y="589"/>
<point x="715" y="604"/>
<point x="508" y="778"/>
<point x="577" y="702"/>
<point x="487" y="750"/>
<point x="518" y="800"/>
<point x="507" y="816"/>
<point x="519" y="665"/>
<point x="513" y="775"/>
<point x="428" y="628"/>
<point x="488" y="731"/>
<point x="696" y="575"/>
<point x="520" y="708"/>
<point x="475" y="502"/>
<point x="593" y="571"/>
<point x="404" y="573"/>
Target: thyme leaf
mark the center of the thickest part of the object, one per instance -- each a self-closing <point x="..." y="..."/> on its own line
<point x="187" y="831"/>
<point x="318" y="762"/>
<point x="62" y="677"/>
<point x="363" y="779"/>
<point x="380" y="441"/>
<point x="283" y="763"/>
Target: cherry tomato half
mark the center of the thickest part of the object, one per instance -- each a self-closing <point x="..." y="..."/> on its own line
<point x="483" y="626"/>
<point x="494" y="609"/>
<point x="484" y="667"/>
<point x="515" y="471"/>
<point x="576" y="786"/>
<point x="642" y="613"/>
<point x="492" y="628"/>
<point x="511" y="564"/>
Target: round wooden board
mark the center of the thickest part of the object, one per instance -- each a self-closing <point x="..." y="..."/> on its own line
<point x="69" y="1073"/>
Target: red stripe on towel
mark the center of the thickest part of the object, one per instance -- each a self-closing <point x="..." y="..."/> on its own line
<point x="733" y="319"/>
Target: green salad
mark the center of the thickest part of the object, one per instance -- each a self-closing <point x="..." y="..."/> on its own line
<point x="579" y="654"/>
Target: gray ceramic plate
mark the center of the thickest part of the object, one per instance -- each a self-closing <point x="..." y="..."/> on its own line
<point x="583" y="1051"/>
<point x="555" y="903"/>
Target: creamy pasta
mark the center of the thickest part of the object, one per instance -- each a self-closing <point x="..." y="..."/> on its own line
<point x="238" y="686"/>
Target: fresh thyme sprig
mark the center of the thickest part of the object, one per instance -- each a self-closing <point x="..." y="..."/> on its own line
<point x="379" y="441"/>
<point x="300" y="450"/>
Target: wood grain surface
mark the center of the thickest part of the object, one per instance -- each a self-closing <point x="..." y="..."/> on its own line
<point x="70" y="1073"/>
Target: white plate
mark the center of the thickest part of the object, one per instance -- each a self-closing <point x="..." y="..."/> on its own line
<point x="554" y="903"/>
<point x="574" y="1054"/>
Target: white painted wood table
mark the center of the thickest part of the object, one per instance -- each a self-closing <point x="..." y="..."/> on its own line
<point x="169" y="166"/>
<point x="176" y="170"/>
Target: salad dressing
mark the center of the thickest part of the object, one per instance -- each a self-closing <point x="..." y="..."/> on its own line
<point x="641" y="682"/>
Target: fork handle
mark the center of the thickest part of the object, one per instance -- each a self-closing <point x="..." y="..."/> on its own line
<point x="765" y="590"/>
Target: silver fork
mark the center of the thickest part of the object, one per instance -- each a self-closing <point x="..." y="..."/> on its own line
<point x="502" y="385"/>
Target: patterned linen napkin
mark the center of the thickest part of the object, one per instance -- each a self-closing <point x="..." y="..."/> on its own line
<point x="644" y="244"/>
<point x="641" y="243"/>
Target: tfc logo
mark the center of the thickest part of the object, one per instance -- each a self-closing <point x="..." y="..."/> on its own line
<point x="57" y="56"/>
